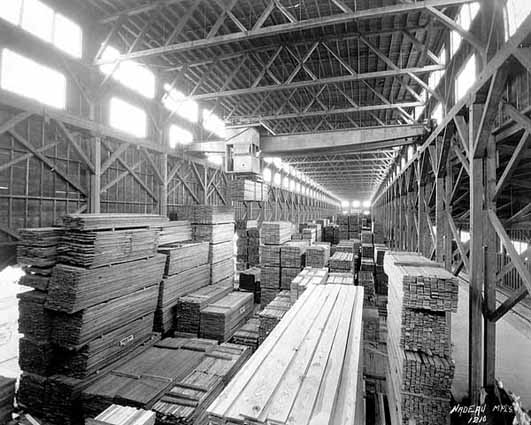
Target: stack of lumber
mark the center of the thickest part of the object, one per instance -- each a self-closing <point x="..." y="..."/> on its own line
<point x="271" y="315"/>
<point x="37" y="248"/>
<point x="34" y="320"/>
<point x="371" y="326"/>
<point x="308" y="370"/>
<point x="31" y="392"/>
<point x="270" y="255"/>
<point x="175" y="231"/>
<point x="7" y="395"/>
<point x="204" y="214"/>
<point x="123" y="415"/>
<point x="250" y="282"/>
<point x="340" y="279"/>
<point x="287" y="274"/>
<point x="296" y="237"/>
<point x="221" y="319"/>
<point x="87" y="222"/>
<point x="100" y="248"/>
<point x="309" y="276"/>
<point x="367" y="250"/>
<point x="379" y="254"/>
<point x="187" y="400"/>
<point x="317" y="256"/>
<point x="222" y="272"/>
<point x="253" y="246"/>
<point x="248" y="190"/>
<point x="184" y="256"/>
<point x="189" y="306"/>
<point x="366" y="279"/>
<point x="242" y="243"/>
<point x="143" y="379"/>
<point x="367" y="237"/>
<point x="309" y="234"/>
<point x="331" y="234"/>
<point x="293" y="254"/>
<point x="248" y="334"/>
<point x="269" y="272"/>
<point x="379" y="233"/>
<point x="342" y="221"/>
<point x="342" y="262"/>
<point x="348" y="245"/>
<point x="421" y="294"/>
<point x="213" y="233"/>
<point x="275" y="232"/>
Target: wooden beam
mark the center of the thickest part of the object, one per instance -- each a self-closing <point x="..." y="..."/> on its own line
<point x="513" y="163"/>
<point x="114" y="156"/>
<point x="12" y="122"/>
<point x="508" y="304"/>
<point x="458" y="242"/>
<point x="73" y="143"/>
<point x="154" y="166"/>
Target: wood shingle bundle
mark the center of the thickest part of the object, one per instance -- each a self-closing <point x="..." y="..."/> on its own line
<point x="275" y="232"/>
<point x="73" y="288"/>
<point x="189" y="306"/>
<point x="248" y="334"/>
<point x="86" y="222"/>
<point x="186" y="402"/>
<point x="317" y="256"/>
<point x="308" y="276"/>
<point x="342" y="262"/>
<point x="271" y="315"/>
<point x="123" y="415"/>
<point x="221" y="319"/>
<point x="305" y="371"/>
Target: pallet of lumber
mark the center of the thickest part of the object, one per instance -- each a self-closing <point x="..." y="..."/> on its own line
<point x="308" y="276"/>
<point x="287" y="274"/>
<point x="213" y="233"/>
<point x="250" y="282"/>
<point x="248" y="334"/>
<point x="293" y="254"/>
<point x="342" y="262"/>
<point x="100" y="248"/>
<point x="269" y="277"/>
<point x="184" y="256"/>
<point x="425" y="331"/>
<point x="189" y="306"/>
<point x="220" y="251"/>
<point x="35" y="321"/>
<point x="309" y="235"/>
<point x="305" y="371"/>
<point x="122" y="415"/>
<point x="348" y="245"/>
<point x="222" y="271"/>
<point x="221" y="319"/>
<point x="187" y="400"/>
<point x="367" y="250"/>
<point x="366" y="279"/>
<point x="36" y="356"/>
<point x="205" y="214"/>
<point x="270" y="255"/>
<point x="271" y="315"/>
<point x="342" y="220"/>
<point x="267" y="295"/>
<point x="7" y="396"/>
<point x="174" y="232"/>
<point x="367" y="237"/>
<point x="75" y="330"/>
<point x="371" y="326"/>
<point x="317" y="256"/>
<point x="73" y="288"/>
<point x="337" y="278"/>
<point x="85" y="222"/>
<point x="247" y="190"/>
<point x="275" y="232"/>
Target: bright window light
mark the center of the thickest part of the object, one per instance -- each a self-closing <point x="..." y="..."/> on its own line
<point x="278" y="162"/>
<point x="10" y="11"/>
<point x="366" y="212"/>
<point x="175" y="101"/>
<point x="437" y="113"/>
<point x="37" y="19"/>
<point x="268" y="160"/>
<point x="466" y="78"/>
<point x="298" y="187"/>
<point x="267" y="175"/>
<point x="356" y="204"/>
<point x="465" y="236"/>
<point x="131" y="74"/>
<point x="292" y="185"/>
<point x="517" y="11"/>
<point x="179" y="136"/>
<point x="67" y="36"/>
<point x="30" y="79"/>
<point x="344" y="204"/>
<point x="215" y="159"/>
<point x="213" y="123"/>
<point x="285" y="182"/>
<point x="277" y="179"/>
<point x="127" y="118"/>
<point x="465" y="18"/>
<point x="366" y="204"/>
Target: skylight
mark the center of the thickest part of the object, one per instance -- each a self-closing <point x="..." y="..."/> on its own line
<point x="127" y="118"/>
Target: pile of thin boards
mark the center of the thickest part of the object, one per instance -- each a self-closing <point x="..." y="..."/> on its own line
<point x="271" y="315"/>
<point x="342" y="262"/>
<point x="123" y="415"/>
<point x="187" y="400"/>
<point x="308" y="276"/>
<point x="97" y="311"/>
<point x="247" y="244"/>
<point x="248" y="334"/>
<point x="7" y="396"/>
<point x="421" y="296"/>
<point x="292" y="261"/>
<point x="337" y="278"/>
<point x="248" y="190"/>
<point x="307" y="370"/>
<point x="318" y="255"/>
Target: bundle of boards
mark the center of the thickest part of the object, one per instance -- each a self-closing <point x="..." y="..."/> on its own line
<point x="308" y="276"/>
<point x="342" y="262"/>
<point x="271" y="315"/>
<point x="7" y="395"/>
<point x="304" y="372"/>
<point x="248" y="190"/>
<point x="421" y="294"/>
<point x="275" y="232"/>
<point x="318" y="255"/>
<point x="122" y="415"/>
<point x="248" y="334"/>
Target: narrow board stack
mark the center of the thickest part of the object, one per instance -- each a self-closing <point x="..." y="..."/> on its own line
<point x="308" y="276"/>
<point x="318" y="255"/>
<point x="7" y="396"/>
<point x="292" y="260"/>
<point x="421" y="294"/>
<point x="250" y="282"/>
<point x="248" y="190"/>
<point x="248" y="334"/>
<point x="271" y="315"/>
<point x="275" y="232"/>
<point x="304" y="372"/>
<point x="123" y="415"/>
<point x="335" y="278"/>
<point x="174" y="232"/>
<point x="186" y="402"/>
<point x="342" y="262"/>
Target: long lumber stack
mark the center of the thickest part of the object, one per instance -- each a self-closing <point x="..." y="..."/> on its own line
<point x="308" y="276"/>
<point x="249" y="190"/>
<point x="175" y="231"/>
<point x="271" y="315"/>
<point x="342" y="262"/>
<point x="308" y="370"/>
<point x="7" y="395"/>
<point x="275" y="232"/>
<point x="248" y="334"/>
<point x="122" y="415"/>
<point x="335" y="278"/>
<point x="421" y="294"/>
<point x="269" y="272"/>
<point x="88" y="222"/>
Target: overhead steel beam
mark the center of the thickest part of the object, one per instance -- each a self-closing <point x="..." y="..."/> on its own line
<point x="268" y="31"/>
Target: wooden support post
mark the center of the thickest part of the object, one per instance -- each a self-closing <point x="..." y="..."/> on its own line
<point x="448" y="184"/>
<point x="163" y="197"/>
<point x="421" y="218"/>
<point x="440" y="222"/>
<point x="95" y="178"/>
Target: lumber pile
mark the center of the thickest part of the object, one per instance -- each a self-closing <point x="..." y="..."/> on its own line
<point x="270" y="255"/>
<point x="248" y="334"/>
<point x="308" y="276"/>
<point x="379" y="254"/>
<point x="293" y="254"/>
<point x="275" y="232"/>
<point x="288" y="379"/>
<point x="184" y="256"/>
<point x="213" y="233"/>
<point x="317" y="256"/>
<point x="309" y="234"/>
<point x="174" y="232"/>
<point x="253" y="246"/>
<point x="222" y="318"/>
<point x="287" y="274"/>
<point x="371" y="326"/>
<point x="7" y="395"/>
<point x="367" y="237"/>
<point x="249" y="190"/>
<point x="250" y="282"/>
<point x="349" y="246"/>
<point x="342" y="262"/>
<point x="367" y="250"/>
<point x="269" y="283"/>
<point x="378" y="232"/>
<point x="31" y="392"/>
<point x="421" y="294"/>
<point x="242" y="242"/>
<point x="271" y="315"/>
<point x="189" y="306"/>
<point x="88" y="222"/>
<point x="123" y="415"/>
<point x="340" y="279"/>
<point x="222" y="272"/>
<point x="331" y="234"/>
<point x="204" y="214"/>
<point x="186" y="402"/>
<point x="38" y="247"/>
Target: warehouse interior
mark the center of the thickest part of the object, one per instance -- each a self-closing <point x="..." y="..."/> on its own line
<point x="265" y="212"/>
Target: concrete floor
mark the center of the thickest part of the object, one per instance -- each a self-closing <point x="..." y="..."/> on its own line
<point x="513" y="349"/>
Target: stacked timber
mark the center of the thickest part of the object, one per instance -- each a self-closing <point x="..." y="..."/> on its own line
<point x="317" y="256"/>
<point x="287" y="274"/>
<point x="88" y="222"/>
<point x="367" y="250"/>
<point x="221" y="253"/>
<point x="31" y="394"/>
<point x="213" y="233"/>
<point x="275" y="232"/>
<point x="174" y="232"/>
<point x="331" y="234"/>
<point x="250" y="282"/>
<point x="296" y="237"/>
<point x="421" y="294"/>
<point x="379" y="233"/>
<point x="253" y="246"/>
<point x="203" y="214"/>
<point x="189" y="306"/>
<point x="340" y="279"/>
<point x="308" y="276"/>
<point x="318" y="231"/>
<point x="186" y="402"/>
<point x="248" y="334"/>
<point x="37" y="249"/>
<point x="248" y="190"/>
<point x="367" y="237"/>
<point x="292" y="260"/>
<point x="269" y="272"/>
<point x="270" y="255"/>
<point x="343" y="228"/>
<point x="309" y="234"/>
<point x="123" y="415"/>
<point x="342" y="262"/>
<point x="143" y="379"/>
<point x="379" y="253"/>
<point x="222" y="272"/>
<point x="366" y="279"/>
<point x="287" y="380"/>
<point x="380" y="278"/>
<point x="184" y="256"/>
<point x="242" y="242"/>
<point x="371" y="326"/>
<point x="271" y="315"/>
<point x="7" y="396"/>
<point x="222" y="318"/>
<point x="348" y="245"/>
